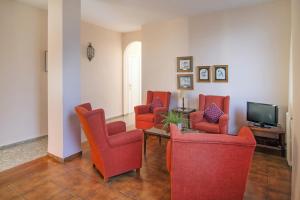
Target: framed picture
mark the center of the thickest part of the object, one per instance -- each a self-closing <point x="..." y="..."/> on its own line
<point x="185" y="64"/>
<point x="221" y="73"/>
<point x="203" y="73"/>
<point x="185" y="82"/>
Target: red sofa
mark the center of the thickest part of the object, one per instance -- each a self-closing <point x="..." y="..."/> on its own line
<point x="144" y="118"/>
<point x="113" y="150"/>
<point x="209" y="166"/>
<point x="198" y="121"/>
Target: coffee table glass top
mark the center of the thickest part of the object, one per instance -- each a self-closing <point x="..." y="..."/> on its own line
<point x="164" y="133"/>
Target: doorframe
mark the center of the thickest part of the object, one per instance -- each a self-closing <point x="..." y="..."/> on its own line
<point x="125" y="77"/>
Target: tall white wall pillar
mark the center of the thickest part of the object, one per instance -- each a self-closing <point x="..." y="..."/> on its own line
<point x="63" y="77"/>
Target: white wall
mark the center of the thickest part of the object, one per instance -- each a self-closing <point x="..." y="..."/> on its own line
<point x="129" y="37"/>
<point x="161" y="43"/>
<point x="101" y="79"/>
<point x="23" y="81"/>
<point x="253" y="41"/>
<point x="296" y="98"/>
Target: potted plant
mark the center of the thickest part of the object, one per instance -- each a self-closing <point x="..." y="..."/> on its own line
<point x="174" y="118"/>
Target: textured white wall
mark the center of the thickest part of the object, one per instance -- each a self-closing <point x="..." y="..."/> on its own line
<point x="63" y="77"/>
<point x="253" y="41"/>
<point x="296" y="98"/>
<point x="23" y="81"/>
<point x="101" y="79"/>
<point x="161" y="43"/>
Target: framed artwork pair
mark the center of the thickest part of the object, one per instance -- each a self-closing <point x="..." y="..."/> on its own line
<point x="220" y="73"/>
<point x="185" y="81"/>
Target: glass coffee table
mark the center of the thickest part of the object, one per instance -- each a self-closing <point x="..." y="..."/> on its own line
<point x="162" y="133"/>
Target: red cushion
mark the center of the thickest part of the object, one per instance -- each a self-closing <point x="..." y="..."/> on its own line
<point x="149" y="117"/>
<point x="212" y="113"/>
<point x="156" y="103"/>
<point x="208" y="127"/>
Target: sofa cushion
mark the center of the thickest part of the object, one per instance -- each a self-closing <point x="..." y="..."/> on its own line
<point x="212" y="113"/>
<point x="149" y="117"/>
<point x="156" y="103"/>
<point x="208" y="127"/>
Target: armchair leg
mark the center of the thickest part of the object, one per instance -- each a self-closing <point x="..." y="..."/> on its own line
<point x="138" y="172"/>
<point x="105" y="180"/>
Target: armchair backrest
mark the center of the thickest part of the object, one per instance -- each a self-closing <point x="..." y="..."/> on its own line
<point x="221" y="101"/>
<point x="210" y="166"/>
<point x="93" y="125"/>
<point x="164" y="97"/>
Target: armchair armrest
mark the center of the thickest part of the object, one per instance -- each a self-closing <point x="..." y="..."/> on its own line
<point x="142" y="109"/>
<point x="223" y="124"/>
<point x="158" y="114"/>
<point x="116" y="127"/>
<point x="125" y="138"/>
<point x="196" y="117"/>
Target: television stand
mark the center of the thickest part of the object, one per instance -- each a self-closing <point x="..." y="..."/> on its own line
<point x="270" y="140"/>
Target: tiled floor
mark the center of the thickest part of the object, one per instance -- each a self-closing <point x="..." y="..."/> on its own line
<point x="24" y="152"/>
<point x="21" y="153"/>
<point x="269" y="179"/>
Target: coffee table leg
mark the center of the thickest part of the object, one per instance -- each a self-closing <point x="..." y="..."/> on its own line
<point x="145" y="143"/>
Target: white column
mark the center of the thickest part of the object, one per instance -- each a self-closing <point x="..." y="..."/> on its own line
<point x="63" y="77"/>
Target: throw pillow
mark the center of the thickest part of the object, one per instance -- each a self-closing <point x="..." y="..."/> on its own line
<point x="212" y="113"/>
<point x="156" y="103"/>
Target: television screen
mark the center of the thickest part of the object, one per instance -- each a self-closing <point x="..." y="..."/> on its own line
<point x="264" y="114"/>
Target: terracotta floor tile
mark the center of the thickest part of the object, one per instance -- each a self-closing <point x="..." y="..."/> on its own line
<point x="269" y="179"/>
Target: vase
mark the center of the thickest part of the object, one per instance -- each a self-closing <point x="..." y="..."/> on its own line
<point x="179" y="126"/>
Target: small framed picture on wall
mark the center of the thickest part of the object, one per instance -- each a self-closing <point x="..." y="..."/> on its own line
<point x="203" y="73"/>
<point x="221" y="73"/>
<point x="185" y="82"/>
<point x="185" y="64"/>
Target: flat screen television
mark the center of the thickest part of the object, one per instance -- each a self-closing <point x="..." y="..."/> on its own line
<point x="262" y="114"/>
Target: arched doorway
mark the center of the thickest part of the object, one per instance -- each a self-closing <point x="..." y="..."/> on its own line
<point x="132" y="76"/>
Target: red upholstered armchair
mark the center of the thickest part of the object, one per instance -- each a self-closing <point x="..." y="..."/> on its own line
<point x="144" y="117"/>
<point x="209" y="166"/>
<point x="198" y="121"/>
<point x="113" y="150"/>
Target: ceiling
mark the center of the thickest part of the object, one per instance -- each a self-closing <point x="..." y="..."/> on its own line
<point x="130" y="15"/>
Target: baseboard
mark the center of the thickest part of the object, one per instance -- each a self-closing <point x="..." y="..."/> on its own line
<point x="23" y="142"/>
<point x="62" y="160"/>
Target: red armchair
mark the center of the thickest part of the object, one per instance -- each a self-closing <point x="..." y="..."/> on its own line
<point x="144" y="118"/>
<point x="209" y="166"/>
<point x="113" y="150"/>
<point x="198" y="121"/>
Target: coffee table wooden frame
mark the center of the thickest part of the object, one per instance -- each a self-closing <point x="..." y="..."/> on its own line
<point x="161" y="133"/>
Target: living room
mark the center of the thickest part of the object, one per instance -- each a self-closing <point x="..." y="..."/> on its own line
<point x="255" y="42"/>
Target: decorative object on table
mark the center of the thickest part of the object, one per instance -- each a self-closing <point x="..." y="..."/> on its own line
<point x="46" y="61"/>
<point x="185" y="64"/>
<point x="90" y="52"/>
<point x="174" y="118"/>
<point x="182" y="99"/>
<point x="220" y="73"/>
<point x="185" y="82"/>
<point x="203" y="73"/>
<point x="185" y="114"/>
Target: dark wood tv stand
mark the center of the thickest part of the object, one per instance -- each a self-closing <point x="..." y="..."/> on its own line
<point x="270" y="140"/>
